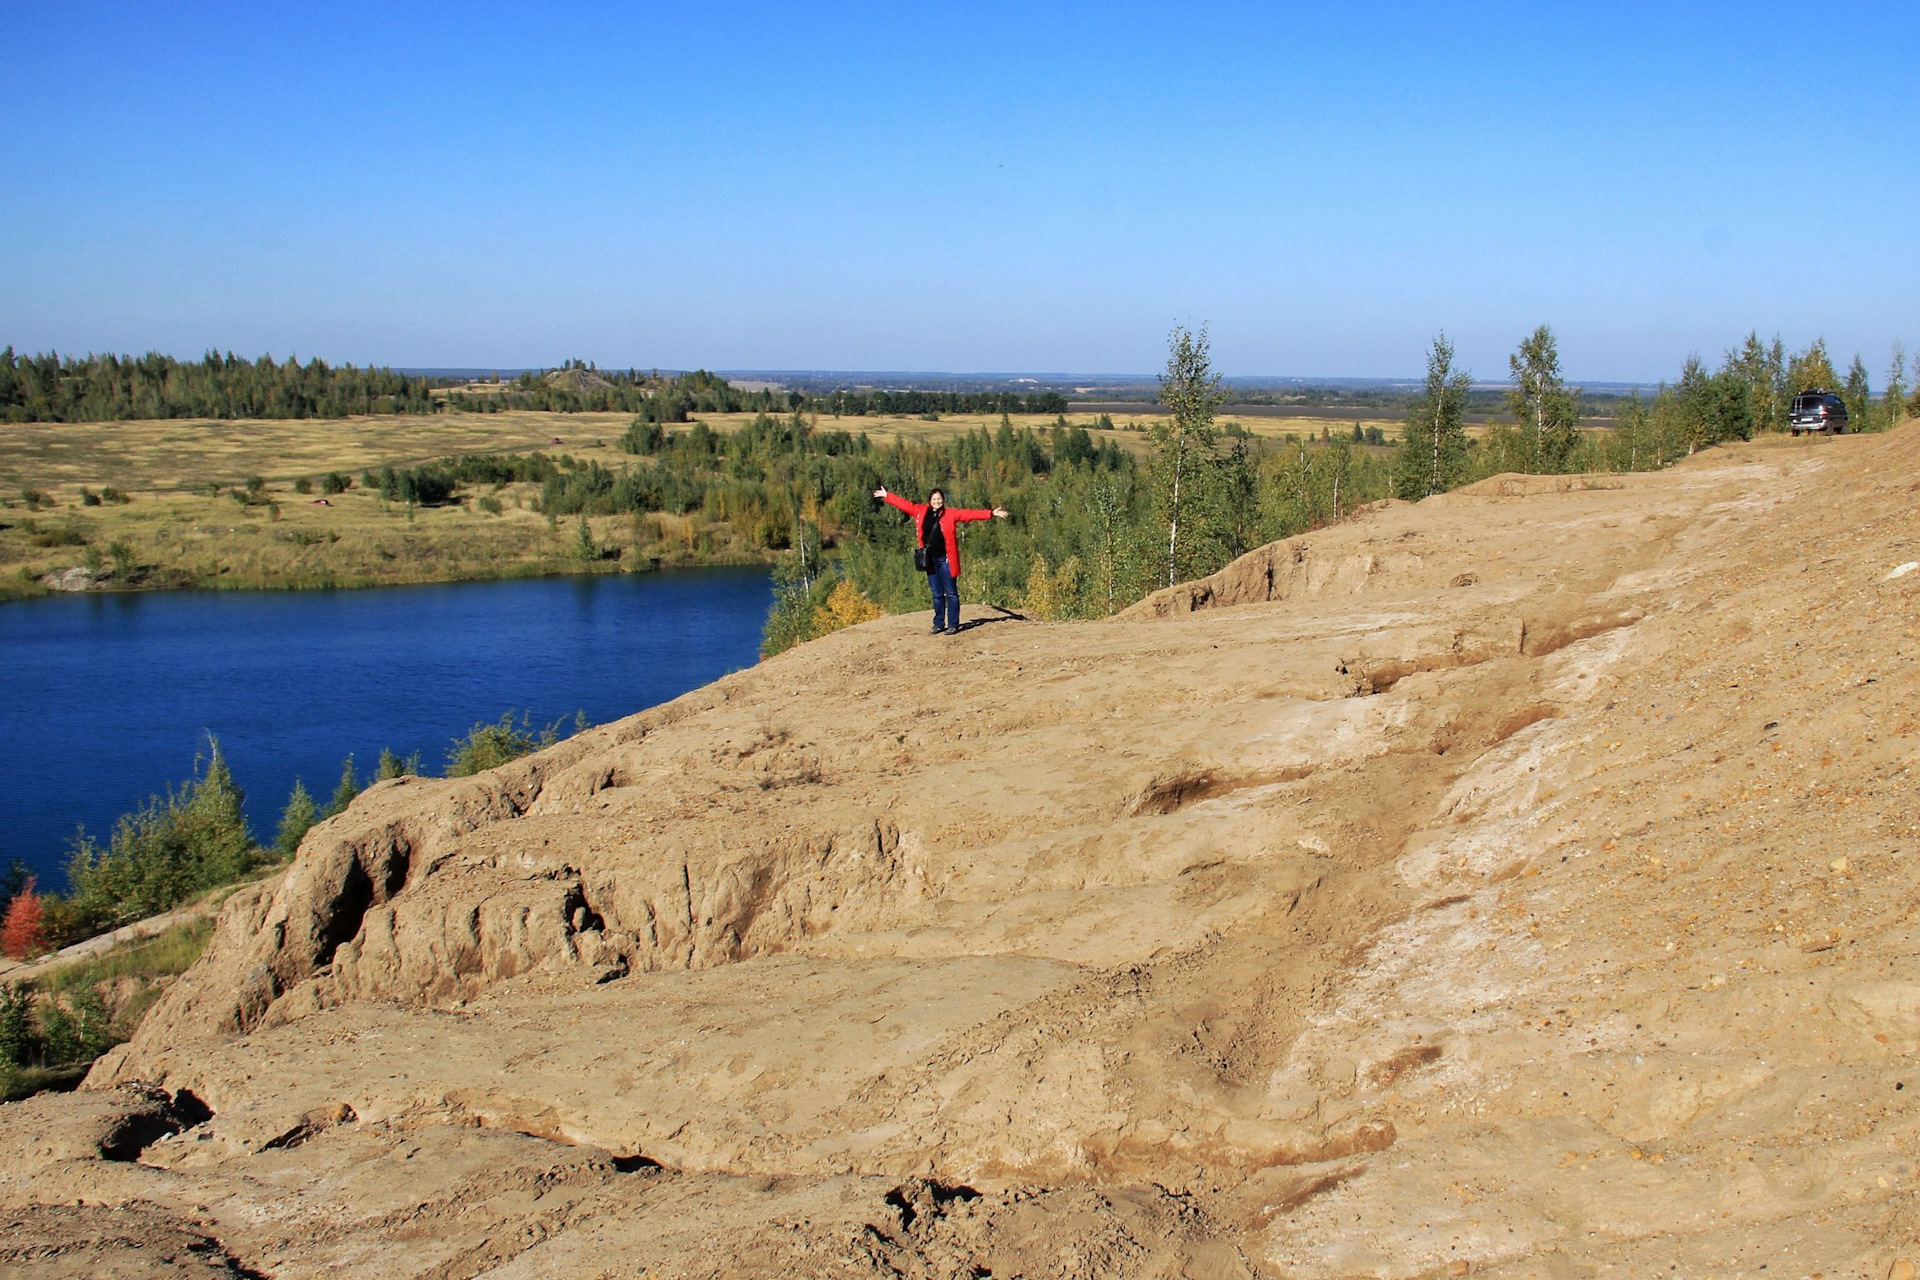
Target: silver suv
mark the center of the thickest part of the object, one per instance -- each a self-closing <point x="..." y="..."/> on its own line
<point x="1817" y="411"/>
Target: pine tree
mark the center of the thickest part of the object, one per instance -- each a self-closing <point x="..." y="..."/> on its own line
<point x="1693" y="398"/>
<point x="212" y="824"/>
<point x="1433" y="450"/>
<point x="296" y="820"/>
<point x="1544" y="407"/>
<point x="344" y="793"/>
<point x="393" y="766"/>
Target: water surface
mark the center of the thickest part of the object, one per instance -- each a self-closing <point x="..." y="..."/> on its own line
<point x="106" y="699"/>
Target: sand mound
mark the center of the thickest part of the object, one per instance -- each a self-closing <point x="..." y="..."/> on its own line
<point x="1515" y="883"/>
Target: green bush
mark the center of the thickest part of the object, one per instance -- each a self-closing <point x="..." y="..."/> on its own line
<point x="487" y="746"/>
<point x="66" y="535"/>
<point x="75" y="1028"/>
<point x="343" y="794"/>
<point x="16" y="1026"/>
<point x="295" y="820"/>
<point x="163" y="853"/>
<point x="393" y="766"/>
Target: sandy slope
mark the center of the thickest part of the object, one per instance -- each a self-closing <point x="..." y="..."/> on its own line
<point x="1516" y="884"/>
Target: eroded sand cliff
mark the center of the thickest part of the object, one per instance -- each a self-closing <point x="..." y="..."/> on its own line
<point x="1521" y="883"/>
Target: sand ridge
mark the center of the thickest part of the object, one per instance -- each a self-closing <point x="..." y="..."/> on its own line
<point x="1516" y="883"/>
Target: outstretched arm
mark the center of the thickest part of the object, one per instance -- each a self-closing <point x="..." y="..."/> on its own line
<point x="979" y="513"/>
<point x="895" y="500"/>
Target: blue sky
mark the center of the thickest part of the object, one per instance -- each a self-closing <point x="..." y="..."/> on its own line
<point x="975" y="187"/>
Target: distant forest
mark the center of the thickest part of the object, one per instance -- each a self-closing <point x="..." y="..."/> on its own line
<point x="109" y="388"/>
<point x="112" y="388"/>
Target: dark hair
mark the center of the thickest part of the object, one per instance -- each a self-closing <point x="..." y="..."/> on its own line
<point x="940" y="491"/>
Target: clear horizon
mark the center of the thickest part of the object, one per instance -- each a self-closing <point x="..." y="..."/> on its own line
<point x="849" y="188"/>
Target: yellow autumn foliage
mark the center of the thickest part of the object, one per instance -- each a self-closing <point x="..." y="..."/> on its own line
<point x="1050" y="595"/>
<point x="845" y="607"/>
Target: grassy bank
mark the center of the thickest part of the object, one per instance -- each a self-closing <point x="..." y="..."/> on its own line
<point x="53" y="1027"/>
<point x="244" y="504"/>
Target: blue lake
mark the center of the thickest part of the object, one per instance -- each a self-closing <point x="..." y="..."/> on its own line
<point x="106" y="699"/>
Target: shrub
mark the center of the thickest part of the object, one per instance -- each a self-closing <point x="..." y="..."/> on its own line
<point x="1051" y="596"/>
<point x="66" y="535"/>
<point x="303" y="485"/>
<point x="23" y="934"/>
<point x="75" y="1029"/>
<point x="114" y="497"/>
<point x="393" y="766"/>
<point x="343" y="794"/>
<point x="295" y="820"/>
<point x="88" y="498"/>
<point x="335" y="482"/>
<point x="16" y="1025"/>
<point x="845" y="607"/>
<point x="487" y="746"/>
<point x="163" y="853"/>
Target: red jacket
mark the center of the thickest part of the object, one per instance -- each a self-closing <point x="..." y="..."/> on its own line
<point x="949" y="517"/>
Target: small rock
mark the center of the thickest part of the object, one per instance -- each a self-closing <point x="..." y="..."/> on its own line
<point x="74" y="579"/>
<point x="1902" y="1269"/>
<point x="1838" y="866"/>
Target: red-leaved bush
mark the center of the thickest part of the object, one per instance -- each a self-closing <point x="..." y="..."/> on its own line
<point x="21" y="935"/>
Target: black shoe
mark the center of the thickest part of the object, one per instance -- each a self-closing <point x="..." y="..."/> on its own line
<point x="954" y="630"/>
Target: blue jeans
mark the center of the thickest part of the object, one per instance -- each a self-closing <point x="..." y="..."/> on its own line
<point x="946" y="596"/>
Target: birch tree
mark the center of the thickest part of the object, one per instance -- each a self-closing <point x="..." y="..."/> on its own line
<point x="1433" y="452"/>
<point x="1543" y="406"/>
<point x="1192" y="392"/>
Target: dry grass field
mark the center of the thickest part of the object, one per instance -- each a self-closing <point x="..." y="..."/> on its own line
<point x="181" y="524"/>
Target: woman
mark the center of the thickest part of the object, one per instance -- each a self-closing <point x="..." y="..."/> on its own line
<point x="935" y="526"/>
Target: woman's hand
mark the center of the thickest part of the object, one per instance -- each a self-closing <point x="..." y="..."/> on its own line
<point x="999" y="513"/>
<point x="880" y="492"/>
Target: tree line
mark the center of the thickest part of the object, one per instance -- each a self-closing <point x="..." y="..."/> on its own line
<point x="108" y="388"/>
<point x="1090" y="539"/>
<point x="50" y="387"/>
